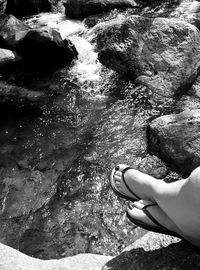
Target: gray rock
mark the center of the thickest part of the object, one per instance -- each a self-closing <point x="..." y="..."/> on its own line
<point x="12" y="259"/>
<point x="176" y="138"/>
<point x="12" y="31"/>
<point x="22" y="194"/>
<point x="40" y="48"/>
<point x="188" y="11"/>
<point x="84" y="8"/>
<point x="155" y="251"/>
<point x="26" y="192"/>
<point x="8" y="57"/>
<point x="45" y="48"/>
<point x="160" y="54"/>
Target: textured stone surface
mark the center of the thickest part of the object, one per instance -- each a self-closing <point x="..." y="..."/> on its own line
<point x="160" y="54"/>
<point x="152" y="251"/>
<point x="156" y="251"/>
<point x="8" y="57"/>
<point x="21" y="195"/>
<point x="176" y="138"/>
<point x="12" y="259"/>
<point x="188" y="11"/>
<point x="12" y="31"/>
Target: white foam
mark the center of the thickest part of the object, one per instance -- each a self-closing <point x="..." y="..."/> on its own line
<point x="86" y="69"/>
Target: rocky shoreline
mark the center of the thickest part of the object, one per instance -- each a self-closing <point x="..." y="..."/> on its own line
<point x="156" y="46"/>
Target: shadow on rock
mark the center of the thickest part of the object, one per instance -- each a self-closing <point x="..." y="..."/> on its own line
<point x="161" y="253"/>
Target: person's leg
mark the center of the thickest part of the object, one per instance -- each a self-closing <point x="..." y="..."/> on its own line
<point x="179" y="200"/>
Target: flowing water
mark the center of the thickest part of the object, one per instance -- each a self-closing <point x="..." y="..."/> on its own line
<point x="81" y="134"/>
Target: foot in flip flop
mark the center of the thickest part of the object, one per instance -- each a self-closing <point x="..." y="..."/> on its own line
<point x="151" y="217"/>
<point x="131" y="184"/>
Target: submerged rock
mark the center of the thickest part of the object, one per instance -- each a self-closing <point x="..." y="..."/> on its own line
<point x="27" y="192"/>
<point x="22" y="194"/>
<point x="160" y="54"/>
<point x="20" y="97"/>
<point x="83" y="8"/>
<point x="176" y="138"/>
<point x="21" y="8"/>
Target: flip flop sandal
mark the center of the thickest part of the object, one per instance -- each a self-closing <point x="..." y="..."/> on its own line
<point x="158" y="229"/>
<point x="119" y="193"/>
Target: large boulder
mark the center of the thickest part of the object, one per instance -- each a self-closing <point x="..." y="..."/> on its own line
<point x="176" y="138"/>
<point x="83" y="8"/>
<point x="21" y="8"/>
<point x="13" y="259"/>
<point x="39" y="47"/>
<point x="46" y="48"/>
<point x="156" y="251"/>
<point x="161" y="54"/>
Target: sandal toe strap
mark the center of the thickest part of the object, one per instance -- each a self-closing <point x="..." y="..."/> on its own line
<point x="144" y="209"/>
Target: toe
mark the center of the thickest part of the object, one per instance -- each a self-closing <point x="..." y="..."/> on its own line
<point x="136" y="213"/>
<point x="120" y="167"/>
<point x="138" y="204"/>
<point x="117" y="179"/>
<point x="118" y="173"/>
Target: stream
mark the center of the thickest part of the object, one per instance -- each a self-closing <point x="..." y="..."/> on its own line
<point x="82" y="133"/>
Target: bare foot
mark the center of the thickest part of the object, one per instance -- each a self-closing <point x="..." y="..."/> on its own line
<point x="143" y="185"/>
<point x="156" y="212"/>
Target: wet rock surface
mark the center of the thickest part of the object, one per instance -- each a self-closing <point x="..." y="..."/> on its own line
<point x="8" y="58"/>
<point x="20" y="97"/>
<point x="12" y="30"/>
<point x="44" y="48"/>
<point x="156" y="53"/>
<point x="176" y="137"/>
<point x="77" y="9"/>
